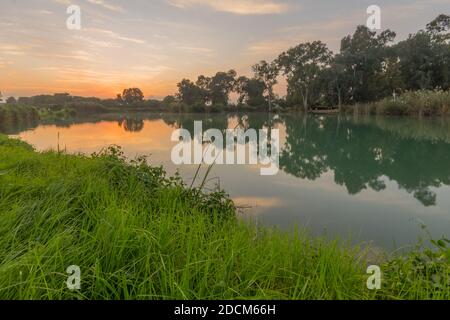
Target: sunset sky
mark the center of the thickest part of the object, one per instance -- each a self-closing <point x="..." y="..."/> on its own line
<point x="153" y="44"/>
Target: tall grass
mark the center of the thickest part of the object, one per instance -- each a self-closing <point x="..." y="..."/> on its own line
<point x="412" y="103"/>
<point x="137" y="234"/>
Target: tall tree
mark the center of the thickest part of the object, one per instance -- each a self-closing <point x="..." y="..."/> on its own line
<point x="132" y="95"/>
<point x="251" y="91"/>
<point x="220" y="86"/>
<point x="439" y="28"/>
<point x="190" y="93"/>
<point x="303" y="65"/>
<point x="363" y="55"/>
<point x="425" y="56"/>
<point x="268" y="74"/>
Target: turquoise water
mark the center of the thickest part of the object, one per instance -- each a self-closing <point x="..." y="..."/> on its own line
<point x="376" y="179"/>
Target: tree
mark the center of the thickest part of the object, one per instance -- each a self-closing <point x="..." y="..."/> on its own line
<point x="303" y="65"/>
<point x="439" y="27"/>
<point x="132" y="95"/>
<point x="251" y="91"/>
<point x="167" y="101"/>
<point x="267" y="73"/>
<point x="220" y="86"/>
<point x="425" y="56"/>
<point x="338" y="82"/>
<point x="11" y="100"/>
<point x="363" y="54"/>
<point x="214" y="90"/>
<point x="190" y="93"/>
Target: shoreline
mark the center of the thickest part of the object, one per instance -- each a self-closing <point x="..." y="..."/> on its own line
<point x="134" y="225"/>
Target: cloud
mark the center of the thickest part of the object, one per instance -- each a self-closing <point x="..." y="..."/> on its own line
<point x="97" y="43"/>
<point x="106" y="5"/>
<point x="196" y="50"/>
<point x="289" y="36"/>
<point x="4" y="63"/>
<point x="13" y="50"/>
<point x="43" y="11"/>
<point x="117" y="36"/>
<point x="75" y="55"/>
<point x="240" y="7"/>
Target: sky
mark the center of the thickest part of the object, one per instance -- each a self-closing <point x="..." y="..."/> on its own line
<point x="153" y="44"/>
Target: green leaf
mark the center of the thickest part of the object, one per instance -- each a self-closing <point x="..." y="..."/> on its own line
<point x="441" y="243"/>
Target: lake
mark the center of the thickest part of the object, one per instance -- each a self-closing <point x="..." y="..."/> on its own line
<point x="374" y="179"/>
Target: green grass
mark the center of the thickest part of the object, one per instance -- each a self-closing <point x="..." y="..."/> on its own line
<point x="422" y="103"/>
<point x="137" y="234"/>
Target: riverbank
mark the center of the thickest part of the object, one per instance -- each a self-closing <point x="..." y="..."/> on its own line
<point x="425" y="103"/>
<point x="137" y="234"/>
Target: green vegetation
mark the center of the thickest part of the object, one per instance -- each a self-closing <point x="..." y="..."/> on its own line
<point x="416" y="103"/>
<point x="137" y="234"/>
<point x="368" y="68"/>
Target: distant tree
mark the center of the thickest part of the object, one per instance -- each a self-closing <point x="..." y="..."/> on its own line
<point x="363" y="55"/>
<point x="425" y="56"/>
<point x="338" y="82"/>
<point x="268" y="74"/>
<point x="439" y="28"/>
<point x="169" y="100"/>
<point x="132" y="95"/>
<point x="303" y="65"/>
<point x="220" y="86"/>
<point x="61" y="98"/>
<point x="11" y="100"/>
<point x="251" y="91"/>
<point x="190" y="93"/>
<point x="25" y="100"/>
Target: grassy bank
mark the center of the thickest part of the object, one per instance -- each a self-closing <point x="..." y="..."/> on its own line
<point x="137" y="234"/>
<point x="423" y="103"/>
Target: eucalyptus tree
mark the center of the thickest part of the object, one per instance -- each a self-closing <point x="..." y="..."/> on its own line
<point x="251" y="91"/>
<point x="132" y="95"/>
<point x="364" y="55"/>
<point x="220" y="86"/>
<point x="339" y="82"/>
<point x="268" y="74"/>
<point x="439" y="29"/>
<point x="303" y="66"/>
<point x="425" y="56"/>
<point x="190" y="93"/>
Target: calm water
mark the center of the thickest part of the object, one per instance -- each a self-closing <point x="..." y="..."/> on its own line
<point x="373" y="178"/>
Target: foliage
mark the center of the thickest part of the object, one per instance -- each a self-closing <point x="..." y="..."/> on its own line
<point x="368" y="68"/>
<point x="132" y="95"/>
<point x="425" y="269"/>
<point x="137" y="234"/>
<point x="303" y="65"/>
<point x="267" y="73"/>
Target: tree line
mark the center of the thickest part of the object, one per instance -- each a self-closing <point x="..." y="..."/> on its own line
<point x="368" y="67"/>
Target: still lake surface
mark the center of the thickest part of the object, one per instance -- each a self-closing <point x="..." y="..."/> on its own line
<point x="374" y="179"/>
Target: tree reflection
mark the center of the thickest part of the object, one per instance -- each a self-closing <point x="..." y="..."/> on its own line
<point x="362" y="156"/>
<point x="131" y="124"/>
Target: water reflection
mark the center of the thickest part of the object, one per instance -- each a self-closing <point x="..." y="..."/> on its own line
<point x="12" y="123"/>
<point x="360" y="154"/>
<point x="131" y="124"/>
